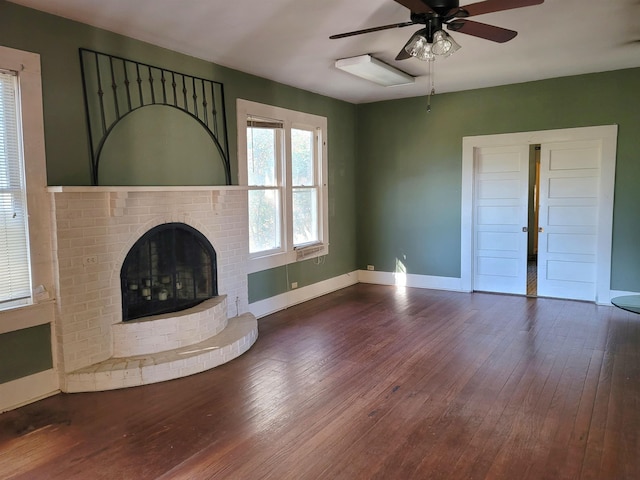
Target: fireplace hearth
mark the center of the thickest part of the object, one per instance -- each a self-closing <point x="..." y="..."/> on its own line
<point x="170" y="268"/>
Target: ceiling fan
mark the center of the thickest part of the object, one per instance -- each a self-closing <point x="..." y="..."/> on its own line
<point x="434" y="14"/>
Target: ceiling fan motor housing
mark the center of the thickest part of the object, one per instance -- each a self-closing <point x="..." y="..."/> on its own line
<point x="433" y="23"/>
<point x="442" y="7"/>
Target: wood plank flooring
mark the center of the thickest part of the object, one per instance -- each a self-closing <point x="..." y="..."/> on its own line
<point x="370" y="382"/>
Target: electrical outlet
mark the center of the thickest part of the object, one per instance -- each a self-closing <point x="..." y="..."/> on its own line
<point x="370" y="267"/>
<point x="294" y="285"/>
<point x="90" y="260"/>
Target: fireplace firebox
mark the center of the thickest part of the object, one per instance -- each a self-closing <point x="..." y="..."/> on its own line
<point x="170" y="268"/>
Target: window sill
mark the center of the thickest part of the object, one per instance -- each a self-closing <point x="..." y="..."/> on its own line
<point x="299" y="254"/>
<point x="26" y="316"/>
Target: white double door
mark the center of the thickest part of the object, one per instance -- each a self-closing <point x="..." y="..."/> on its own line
<point x="568" y="219"/>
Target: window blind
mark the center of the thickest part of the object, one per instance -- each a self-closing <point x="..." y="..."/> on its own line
<point x="15" y="278"/>
<point x="257" y="122"/>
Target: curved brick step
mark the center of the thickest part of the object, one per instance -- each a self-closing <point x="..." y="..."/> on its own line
<point x="239" y="335"/>
<point x="173" y="330"/>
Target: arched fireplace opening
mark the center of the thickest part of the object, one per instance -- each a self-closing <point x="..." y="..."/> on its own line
<point x="170" y="268"/>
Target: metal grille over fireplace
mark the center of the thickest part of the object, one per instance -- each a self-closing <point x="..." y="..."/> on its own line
<point x="170" y="268"/>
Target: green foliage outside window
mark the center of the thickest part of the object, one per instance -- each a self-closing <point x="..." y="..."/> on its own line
<point x="305" y="218"/>
<point x="264" y="204"/>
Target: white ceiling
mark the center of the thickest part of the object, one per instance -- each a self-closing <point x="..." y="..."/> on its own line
<point x="288" y="40"/>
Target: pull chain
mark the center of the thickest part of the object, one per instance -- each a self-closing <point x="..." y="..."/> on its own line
<point x="432" y="91"/>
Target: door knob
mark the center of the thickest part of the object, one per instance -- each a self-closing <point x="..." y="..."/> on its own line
<point x="525" y="229"/>
<point x="541" y="230"/>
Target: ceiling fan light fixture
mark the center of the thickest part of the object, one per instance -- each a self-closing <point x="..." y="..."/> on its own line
<point x="420" y="47"/>
<point x="443" y="45"/>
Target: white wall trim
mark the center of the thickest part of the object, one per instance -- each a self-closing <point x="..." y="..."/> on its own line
<point x="286" y="254"/>
<point x="617" y="293"/>
<point x="288" y="299"/>
<point x="620" y="293"/>
<point x="29" y="389"/>
<point x="27" y="64"/>
<point x="27" y="316"/>
<point x="411" y="280"/>
<point x="608" y="134"/>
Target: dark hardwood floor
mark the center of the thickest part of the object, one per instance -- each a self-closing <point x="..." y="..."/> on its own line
<point x="368" y="383"/>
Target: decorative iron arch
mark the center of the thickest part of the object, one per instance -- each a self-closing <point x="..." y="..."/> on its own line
<point x="114" y="87"/>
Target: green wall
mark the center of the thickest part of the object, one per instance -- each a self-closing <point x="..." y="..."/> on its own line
<point x="57" y="40"/>
<point x="25" y="352"/>
<point x="404" y="203"/>
<point x="409" y="182"/>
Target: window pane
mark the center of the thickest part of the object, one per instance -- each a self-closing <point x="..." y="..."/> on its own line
<point x="305" y="215"/>
<point x="15" y="280"/>
<point x="261" y="156"/>
<point x="264" y="220"/>
<point x="302" y="158"/>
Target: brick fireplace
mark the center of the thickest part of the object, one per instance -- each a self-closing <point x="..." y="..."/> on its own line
<point x="94" y="230"/>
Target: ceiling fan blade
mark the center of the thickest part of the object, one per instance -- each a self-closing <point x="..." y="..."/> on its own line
<point x="416" y="6"/>
<point x="403" y="54"/>
<point x="490" y="6"/>
<point x="369" y="30"/>
<point x="482" y="30"/>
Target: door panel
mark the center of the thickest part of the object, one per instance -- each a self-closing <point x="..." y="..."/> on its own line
<point x="498" y="215"/>
<point x="497" y="241"/>
<point x="571" y="243"/>
<point x="566" y="215"/>
<point x="500" y="198"/>
<point x="573" y="187"/>
<point x="569" y="271"/>
<point x="569" y="197"/>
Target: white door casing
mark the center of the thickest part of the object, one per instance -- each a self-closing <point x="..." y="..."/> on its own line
<point x="606" y="135"/>
<point x="500" y="213"/>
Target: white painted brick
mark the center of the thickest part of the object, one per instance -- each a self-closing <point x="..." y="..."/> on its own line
<point x="82" y="242"/>
<point x="74" y="327"/>
<point x="93" y="212"/>
<point x="69" y="251"/>
<point x="84" y="227"/>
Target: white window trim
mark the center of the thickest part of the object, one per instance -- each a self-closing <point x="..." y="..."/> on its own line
<point x="38" y="205"/>
<point x="291" y="119"/>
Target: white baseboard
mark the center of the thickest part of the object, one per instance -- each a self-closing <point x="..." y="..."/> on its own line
<point x="616" y="293"/>
<point x="620" y="293"/>
<point x="29" y="389"/>
<point x="411" y="280"/>
<point x="293" y="297"/>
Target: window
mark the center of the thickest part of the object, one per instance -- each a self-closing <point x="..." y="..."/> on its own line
<point x="15" y="281"/>
<point x="264" y="175"/>
<point x="305" y="188"/>
<point x="283" y="162"/>
<point x="26" y="259"/>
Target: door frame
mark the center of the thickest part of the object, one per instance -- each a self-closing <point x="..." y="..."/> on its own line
<point x="607" y="134"/>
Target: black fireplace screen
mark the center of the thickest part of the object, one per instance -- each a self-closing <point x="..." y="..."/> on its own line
<point x="170" y="268"/>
